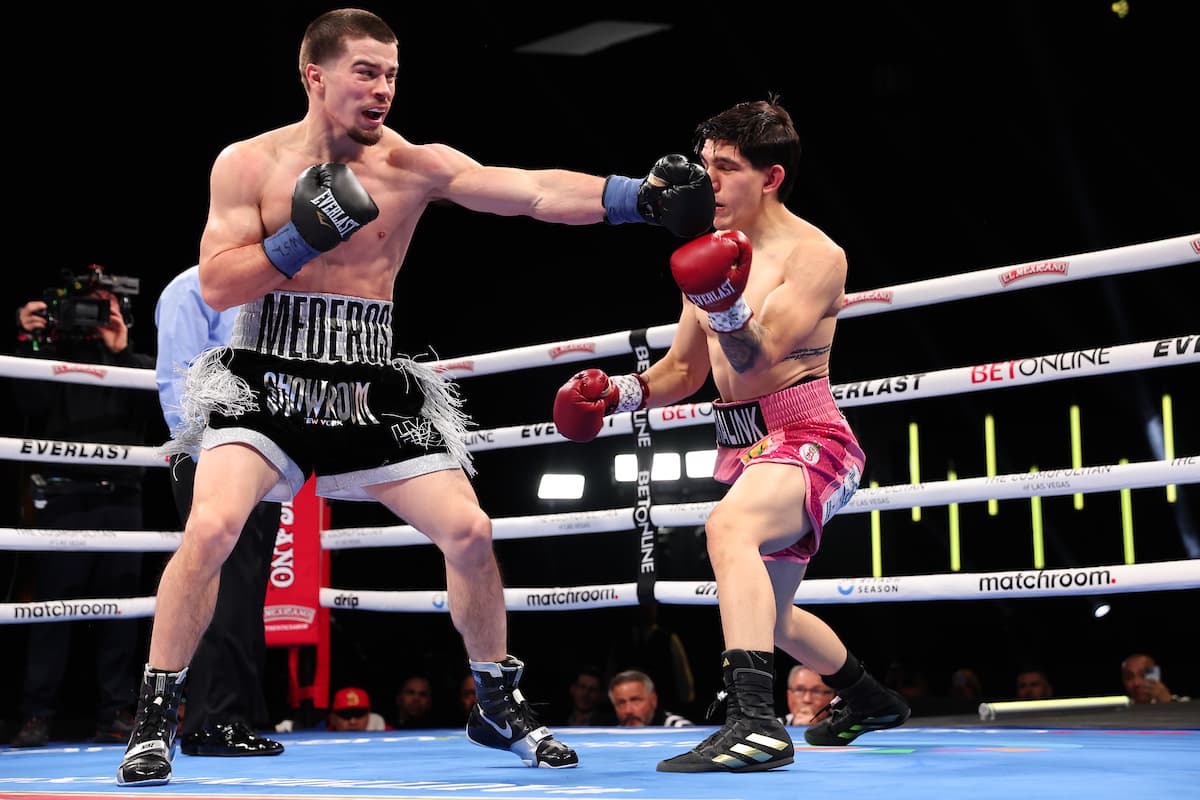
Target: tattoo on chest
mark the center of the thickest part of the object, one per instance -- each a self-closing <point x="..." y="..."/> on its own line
<point x="808" y="352"/>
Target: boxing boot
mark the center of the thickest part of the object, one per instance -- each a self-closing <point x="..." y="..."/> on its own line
<point x="147" y="760"/>
<point x="752" y="738"/>
<point x="863" y="707"/>
<point x="502" y="718"/>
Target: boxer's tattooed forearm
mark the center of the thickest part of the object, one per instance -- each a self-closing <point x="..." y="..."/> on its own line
<point x="808" y="352"/>
<point x="743" y="347"/>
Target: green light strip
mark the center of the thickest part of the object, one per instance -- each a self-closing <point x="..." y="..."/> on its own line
<point x="989" y="448"/>
<point x="914" y="464"/>
<point x="876" y="541"/>
<point x="1168" y="440"/>
<point x="955" y="550"/>
<point x="1127" y="520"/>
<point x="1076" y="451"/>
<point x="1039" y="549"/>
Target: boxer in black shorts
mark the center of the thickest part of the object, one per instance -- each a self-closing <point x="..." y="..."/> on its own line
<point x="308" y="226"/>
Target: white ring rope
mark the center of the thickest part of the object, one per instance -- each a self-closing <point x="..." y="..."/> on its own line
<point x="1010" y="584"/>
<point x="956" y="380"/>
<point x="1047" y="483"/>
<point x="1031" y="583"/>
<point x="1131" y="258"/>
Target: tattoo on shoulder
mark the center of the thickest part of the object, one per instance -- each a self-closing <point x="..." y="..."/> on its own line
<point x="809" y="352"/>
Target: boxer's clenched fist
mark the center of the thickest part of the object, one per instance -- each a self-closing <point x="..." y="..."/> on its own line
<point x="582" y="402"/>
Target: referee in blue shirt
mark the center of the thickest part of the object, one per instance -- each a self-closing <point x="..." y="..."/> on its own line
<point x="224" y="690"/>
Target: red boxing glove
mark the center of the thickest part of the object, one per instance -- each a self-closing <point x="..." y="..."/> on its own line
<point x="582" y="402"/>
<point x="712" y="272"/>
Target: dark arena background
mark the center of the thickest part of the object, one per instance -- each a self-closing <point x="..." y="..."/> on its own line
<point x="939" y="139"/>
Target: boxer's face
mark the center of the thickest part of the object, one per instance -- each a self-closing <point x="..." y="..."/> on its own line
<point x="736" y="184"/>
<point x="356" y="89"/>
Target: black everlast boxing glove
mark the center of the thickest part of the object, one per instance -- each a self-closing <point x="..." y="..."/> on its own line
<point x="677" y="194"/>
<point x="328" y="206"/>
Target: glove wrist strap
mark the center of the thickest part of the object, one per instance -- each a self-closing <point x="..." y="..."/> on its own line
<point x="633" y="392"/>
<point x="620" y="200"/>
<point x="288" y="251"/>
<point x="732" y="319"/>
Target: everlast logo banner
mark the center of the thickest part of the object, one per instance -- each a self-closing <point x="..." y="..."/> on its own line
<point x="740" y="425"/>
<point x="329" y="328"/>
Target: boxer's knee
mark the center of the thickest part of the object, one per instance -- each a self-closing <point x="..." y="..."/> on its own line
<point x="210" y="534"/>
<point x="721" y="534"/>
<point x="469" y="542"/>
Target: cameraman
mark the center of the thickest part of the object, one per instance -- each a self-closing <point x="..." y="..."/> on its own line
<point x="88" y="322"/>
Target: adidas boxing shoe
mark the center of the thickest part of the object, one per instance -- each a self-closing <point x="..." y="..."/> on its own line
<point x="503" y="720"/>
<point x="752" y="738"/>
<point x="864" y="707"/>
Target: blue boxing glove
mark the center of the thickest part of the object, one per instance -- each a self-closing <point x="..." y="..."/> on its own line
<point x="328" y="206"/>
<point x="677" y="194"/>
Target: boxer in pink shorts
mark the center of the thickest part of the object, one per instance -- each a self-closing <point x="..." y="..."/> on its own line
<point x="765" y="338"/>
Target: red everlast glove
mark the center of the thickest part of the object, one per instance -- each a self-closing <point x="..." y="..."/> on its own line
<point x="712" y="272"/>
<point x="582" y="402"/>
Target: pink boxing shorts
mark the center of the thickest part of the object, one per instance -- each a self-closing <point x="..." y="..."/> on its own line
<point x="801" y="425"/>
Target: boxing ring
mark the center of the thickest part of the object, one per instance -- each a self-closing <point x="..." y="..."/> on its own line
<point x="1137" y="755"/>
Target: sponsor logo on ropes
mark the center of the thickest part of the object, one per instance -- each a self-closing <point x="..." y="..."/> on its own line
<point x="565" y="597"/>
<point x="466" y="365"/>
<point x="1178" y="346"/>
<point x="479" y="437"/>
<point x="1195" y="245"/>
<point x="538" y="430"/>
<point x="874" y="296"/>
<point x="895" y="385"/>
<point x="576" y="347"/>
<point x="440" y="600"/>
<point x="50" y="609"/>
<point x="869" y="586"/>
<point x="346" y="600"/>
<point x="1029" y="270"/>
<point x="1047" y="579"/>
<point x="1049" y="479"/>
<point x="686" y="411"/>
<point x="62" y="369"/>
<point x="101" y="452"/>
<point x="706" y="589"/>
<point x="1042" y="365"/>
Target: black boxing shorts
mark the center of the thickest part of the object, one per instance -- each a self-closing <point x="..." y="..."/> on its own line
<point x="309" y="381"/>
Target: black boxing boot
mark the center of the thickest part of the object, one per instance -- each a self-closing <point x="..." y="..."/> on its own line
<point x="502" y="718"/>
<point x="864" y="706"/>
<point x="147" y="760"/>
<point x="752" y="738"/>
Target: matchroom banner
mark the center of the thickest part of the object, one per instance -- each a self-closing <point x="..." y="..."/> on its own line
<point x="292" y="611"/>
